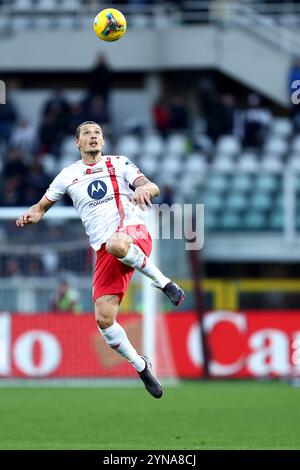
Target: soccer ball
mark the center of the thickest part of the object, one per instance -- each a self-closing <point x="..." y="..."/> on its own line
<point x="110" y="24"/>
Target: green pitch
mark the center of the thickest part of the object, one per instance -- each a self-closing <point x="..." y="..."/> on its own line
<point x="193" y="415"/>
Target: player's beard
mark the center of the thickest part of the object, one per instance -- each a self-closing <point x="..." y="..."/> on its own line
<point x="93" y="154"/>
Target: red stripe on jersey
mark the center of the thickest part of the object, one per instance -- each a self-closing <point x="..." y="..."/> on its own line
<point x="115" y="184"/>
<point x="144" y="262"/>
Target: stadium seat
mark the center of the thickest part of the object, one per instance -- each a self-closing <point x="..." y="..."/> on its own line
<point x="170" y="165"/>
<point x="68" y="147"/>
<point x="236" y="201"/>
<point x="65" y="22"/>
<point x="176" y="143"/>
<point x="294" y="162"/>
<point x="276" y="221"/>
<point x="272" y="165"/>
<point x="20" y="23"/>
<point x="228" y="144"/>
<point x="46" y="5"/>
<point x="128" y="145"/>
<point x="211" y="220"/>
<point x="3" y="24"/>
<point x="241" y="182"/>
<point x="223" y="164"/>
<point x="23" y="5"/>
<point x="195" y="162"/>
<point x="69" y="5"/>
<point x="169" y="179"/>
<point x="153" y="144"/>
<point x="247" y="162"/>
<point x="148" y="166"/>
<point x="282" y="127"/>
<point x="230" y="221"/>
<point x="66" y="159"/>
<point x="278" y="203"/>
<point x="276" y="146"/>
<point x="213" y="201"/>
<point x="49" y="164"/>
<point x="139" y="21"/>
<point x="216" y="182"/>
<point x="295" y="147"/>
<point x="255" y="221"/>
<point x="261" y="200"/>
<point x="266" y="182"/>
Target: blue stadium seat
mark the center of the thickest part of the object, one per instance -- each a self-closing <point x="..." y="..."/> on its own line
<point x="255" y="221"/>
<point x="266" y="182"/>
<point x="217" y="182"/>
<point x="211" y="220"/>
<point x="261" y="200"/>
<point x="230" y="221"/>
<point x="276" y="221"/>
<point x="242" y="182"/>
<point x="236" y="201"/>
<point x="213" y="200"/>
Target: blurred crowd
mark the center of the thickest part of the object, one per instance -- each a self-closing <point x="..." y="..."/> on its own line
<point x="33" y="155"/>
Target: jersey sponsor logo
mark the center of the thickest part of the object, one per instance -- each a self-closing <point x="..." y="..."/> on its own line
<point x="97" y="189"/>
<point x="90" y="171"/>
<point x="96" y="203"/>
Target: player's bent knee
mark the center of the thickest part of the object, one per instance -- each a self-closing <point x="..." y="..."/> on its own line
<point x="104" y="323"/>
<point x="105" y="313"/>
<point x="117" y="248"/>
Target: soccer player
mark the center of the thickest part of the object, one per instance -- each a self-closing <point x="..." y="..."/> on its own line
<point x="109" y="193"/>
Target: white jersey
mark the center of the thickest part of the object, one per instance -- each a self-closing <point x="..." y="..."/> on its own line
<point x="100" y="194"/>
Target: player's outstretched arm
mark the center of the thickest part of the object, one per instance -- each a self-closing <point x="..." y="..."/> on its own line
<point x="145" y="190"/>
<point x="35" y="213"/>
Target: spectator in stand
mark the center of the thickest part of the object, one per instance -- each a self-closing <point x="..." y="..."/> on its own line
<point x="15" y="165"/>
<point x="178" y="113"/>
<point x="227" y="113"/>
<point x="50" y="134"/>
<point x="66" y="299"/>
<point x="23" y="136"/>
<point x="8" y="117"/>
<point x="97" y="110"/>
<point x="11" y="192"/>
<point x="100" y="78"/>
<point x="77" y="116"/>
<point x="161" y="117"/>
<point x="57" y="103"/>
<point x="37" y="179"/>
<point x="258" y="119"/>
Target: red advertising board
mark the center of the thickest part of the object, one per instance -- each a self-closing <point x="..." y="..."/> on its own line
<point x="242" y="344"/>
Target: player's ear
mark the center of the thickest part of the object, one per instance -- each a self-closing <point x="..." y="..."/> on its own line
<point x="77" y="143"/>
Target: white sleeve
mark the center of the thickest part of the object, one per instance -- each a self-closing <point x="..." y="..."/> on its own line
<point x="131" y="171"/>
<point x="57" y="188"/>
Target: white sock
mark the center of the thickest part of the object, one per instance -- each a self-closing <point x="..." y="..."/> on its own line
<point x="116" y="338"/>
<point x="138" y="260"/>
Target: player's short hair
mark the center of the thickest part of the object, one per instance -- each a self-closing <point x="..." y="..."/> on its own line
<point x="83" y="124"/>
